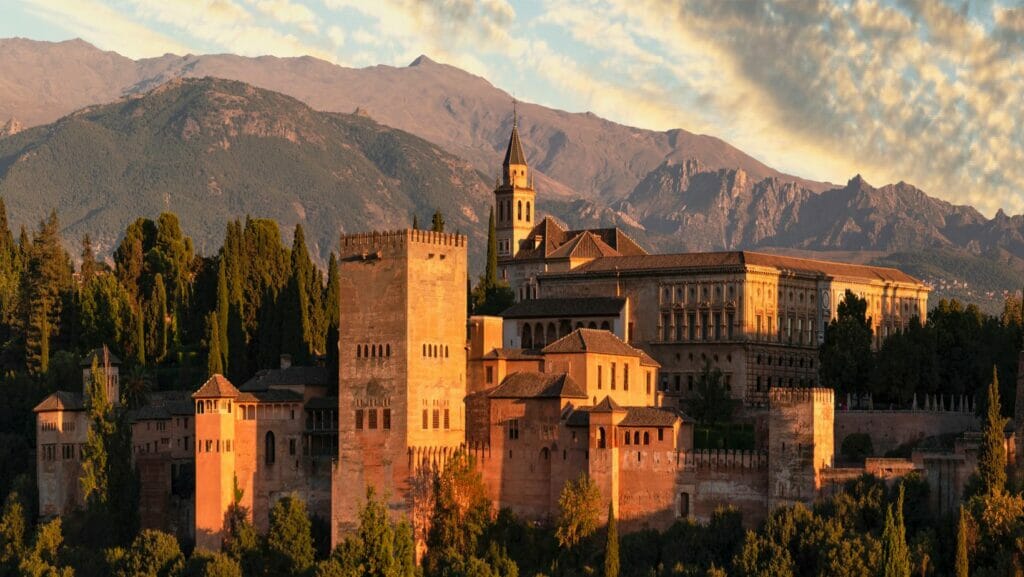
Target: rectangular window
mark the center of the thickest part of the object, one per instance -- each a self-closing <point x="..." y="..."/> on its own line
<point x="689" y="382"/>
<point x="717" y="322"/>
<point x="666" y="326"/>
<point x="372" y="418"/>
<point x="770" y="326"/>
<point x="678" y="380"/>
<point x="387" y="419"/>
<point x="447" y="420"/>
<point x="728" y="382"/>
<point x="513" y="429"/>
<point x="789" y="329"/>
<point x="705" y="327"/>
<point x="679" y="326"/>
<point x="437" y="419"/>
<point x="661" y="434"/>
<point x="758" y="327"/>
<point x="691" y="320"/>
<point x="625" y="377"/>
<point x="490" y="375"/>
<point x="359" y="419"/>
<point x="291" y="447"/>
<point x="613" y="376"/>
<point x="600" y="376"/>
<point x="800" y="330"/>
<point x="425" y="423"/>
<point x="684" y="505"/>
<point x="730" y="321"/>
<point x="648" y="382"/>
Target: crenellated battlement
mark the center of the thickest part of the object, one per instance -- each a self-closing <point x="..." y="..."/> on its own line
<point x="394" y="238"/>
<point x="791" y="395"/>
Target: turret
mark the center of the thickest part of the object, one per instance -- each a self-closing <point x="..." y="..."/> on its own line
<point x="215" y="458"/>
<point x="513" y="198"/>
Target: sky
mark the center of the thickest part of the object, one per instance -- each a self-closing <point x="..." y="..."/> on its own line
<point x="924" y="91"/>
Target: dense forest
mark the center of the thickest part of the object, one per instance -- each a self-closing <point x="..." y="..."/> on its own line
<point x="174" y="316"/>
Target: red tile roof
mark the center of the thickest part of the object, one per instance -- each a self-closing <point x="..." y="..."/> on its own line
<point x="216" y="386"/>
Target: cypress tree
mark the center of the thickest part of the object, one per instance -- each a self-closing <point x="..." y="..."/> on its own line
<point x="223" y="307"/>
<point x="895" y="553"/>
<point x="214" y="359"/>
<point x="415" y="222"/>
<point x="491" y="273"/>
<point x="156" y="342"/>
<point x="437" y="222"/>
<point x="140" y="339"/>
<point x="611" y="549"/>
<point x="961" y="545"/>
<point x="95" y="475"/>
<point x="992" y="453"/>
<point x="88" y="268"/>
<point x="46" y="278"/>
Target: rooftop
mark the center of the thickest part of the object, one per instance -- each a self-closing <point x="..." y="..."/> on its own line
<point x="592" y="341"/>
<point x="566" y="307"/>
<point x="291" y="376"/>
<point x="216" y="386"/>
<point x="528" y="384"/>
<point x="61" y="401"/>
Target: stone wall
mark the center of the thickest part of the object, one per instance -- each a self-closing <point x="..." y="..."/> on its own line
<point x="890" y="429"/>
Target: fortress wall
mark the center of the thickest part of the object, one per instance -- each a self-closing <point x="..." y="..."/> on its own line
<point x="890" y="429"/>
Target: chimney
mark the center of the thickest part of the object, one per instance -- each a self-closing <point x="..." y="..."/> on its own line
<point x="286" y="361"/>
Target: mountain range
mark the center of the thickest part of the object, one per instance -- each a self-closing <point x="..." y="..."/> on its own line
<point x="366" y="148"/>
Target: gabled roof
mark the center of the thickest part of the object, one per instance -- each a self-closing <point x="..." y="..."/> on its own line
<point x="514" y="153"/>
<point x="98" y="355"/>
<point x="613" y="237"/>
<point x="591" y="341"/>
<point x="292" y="376"/>
<point x="649" y="417"/>
<point x="566" y="307"/>
<point x="608" y="405"/>
<point x="584" y="245"/>
<point x="739" y="260"/>
<point x="216" y="386"/>
<point x="61" y="401"/>
<point x="514" y="355"/>
<point x="529" y="384"/>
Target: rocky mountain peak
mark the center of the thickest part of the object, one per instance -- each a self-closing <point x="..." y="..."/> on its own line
<point x="11" y="127"/>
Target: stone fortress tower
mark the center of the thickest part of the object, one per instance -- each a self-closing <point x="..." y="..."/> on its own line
<point x="402" y="363"/>
<point x="800" y="443"/>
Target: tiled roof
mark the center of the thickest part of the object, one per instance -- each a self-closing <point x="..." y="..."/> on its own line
<point x="584" y="245"/>
<point x="649" y="417"/>
<point x="61" y="401"/>
<point x="514" y="355"/>
<point x="648" y="361"/>
<point x="740" y="259"/>
<point x="270" y="396"/>
<point x="591" y="341"/>
<point x="608" y="405"/>
<point x="98" y="355"/>
<point x="292" y="376"/>
<point x="528" y="384"/>
<point x="566" y="307"/>
<point x="216" y="386"/>
<point x="552" y="236"/>
<point x="613" y="237"/>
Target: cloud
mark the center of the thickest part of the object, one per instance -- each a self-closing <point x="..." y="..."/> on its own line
<point x="97" y="23"/>
<point x="288" y="12"/>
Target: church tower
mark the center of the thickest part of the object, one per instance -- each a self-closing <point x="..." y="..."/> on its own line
<point x="513" y="198"/>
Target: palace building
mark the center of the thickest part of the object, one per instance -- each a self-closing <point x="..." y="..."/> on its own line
<point x="589" y="373"/>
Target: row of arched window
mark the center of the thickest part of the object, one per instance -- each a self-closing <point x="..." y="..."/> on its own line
<point x="505" y="211"/>
<point x="538" y="336"/>
<point x="435" y="351"/>
<point x="212" y="406"/>
<point x="373" y="351"/>
<point x="213" y="446"/>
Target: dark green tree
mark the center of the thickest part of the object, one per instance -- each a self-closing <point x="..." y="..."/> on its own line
<point x="152" y="554"/>
<point x="47" y="277"/>
<point x="211" y="564"/>
<point x="961" y="563"/>
<point x="156" y="321"/>
<point x="214" y="358"/>
<point x="289" y="541"/>
<point x="611" y="548"/>
<point x="89" y="265"/>
<point x="579" y="511"/>
<point x="846" y="356"/>
<point x="95" y="479"/>
<point x="223" y="312"/>
<point x="711" y="403"/>
<point x="895" y="553"/>
<point x="240" y="541"/>
<point x="437" y="222"/>
<point x="491" y="272"/>
<point x="991" y="475"/>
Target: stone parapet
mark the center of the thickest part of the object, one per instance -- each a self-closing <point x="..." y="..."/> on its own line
<point x="401" y="237"/>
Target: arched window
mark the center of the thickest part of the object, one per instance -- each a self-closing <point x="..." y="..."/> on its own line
<point x="527" y="337"/>
<point x="636" y="438"/>
<point x="527" y="211"/>
<point x="424" y="350"/>
<point x="538" y="335"/>
<point x="270" y="449"/>
<point x="373" y="350"/>
<point x="647" y="438"/>
<point x="592" y="325"/>
<point x="626" y="437"/>
<point x="199" y="408"/>
<point x="545" y="454"/>
<point x="501" y="211"/>
<point x="446" y="351"/>
<point x="605" y="326"/>
<point x="519" y="213"/>
<point x="359" y="352"/>
<point x="601" y="441"/>
<point x="387" y="350"/>
<point x="552" y="333"/>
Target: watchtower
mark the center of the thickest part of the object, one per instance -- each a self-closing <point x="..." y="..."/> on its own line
<point x="800" y="443"/>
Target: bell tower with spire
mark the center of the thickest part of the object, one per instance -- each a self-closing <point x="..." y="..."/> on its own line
<point x="513" y="197"/>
